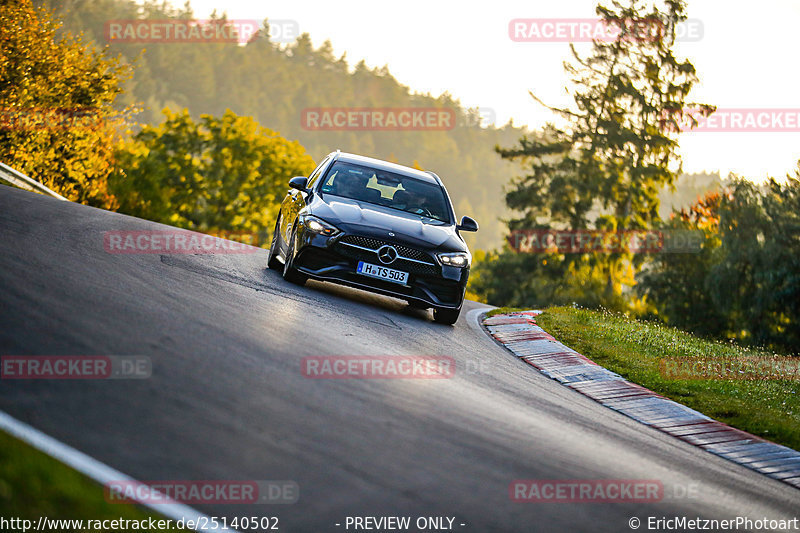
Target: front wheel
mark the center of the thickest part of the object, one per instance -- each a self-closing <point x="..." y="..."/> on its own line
<point x="273" y="262"/>
<point x="445" y="316"/>
<point x="290" y="273"/>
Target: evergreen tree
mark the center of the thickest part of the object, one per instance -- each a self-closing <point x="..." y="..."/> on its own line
<point x="604" y="165"/>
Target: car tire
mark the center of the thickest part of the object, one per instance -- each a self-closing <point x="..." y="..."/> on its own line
<point x="446" y="316"/>
<point x="290" y="273"/>
<point x="273" y="262"/>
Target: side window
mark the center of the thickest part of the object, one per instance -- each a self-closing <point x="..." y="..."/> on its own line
<point x="317" y="172"/>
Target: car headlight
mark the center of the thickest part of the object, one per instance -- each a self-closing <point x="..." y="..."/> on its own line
<point x="317" y="225"/>
<point x="456" y="259"/>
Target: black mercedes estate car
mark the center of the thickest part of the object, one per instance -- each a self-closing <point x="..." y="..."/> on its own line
<point x="377" y="226"/>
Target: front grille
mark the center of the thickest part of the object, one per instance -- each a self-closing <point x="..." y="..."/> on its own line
<point x="374" y="244"/>
<point x="429" y="268"/>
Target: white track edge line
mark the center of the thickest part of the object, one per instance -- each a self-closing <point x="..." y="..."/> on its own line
<point x="473" y="319"/>
<point x="92" y="468"/>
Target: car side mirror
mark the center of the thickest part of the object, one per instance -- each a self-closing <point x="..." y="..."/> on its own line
<point x="299" y="182"/>
<point x="467" y="224"/>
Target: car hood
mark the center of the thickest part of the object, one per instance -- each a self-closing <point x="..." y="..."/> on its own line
<point x="352" y="216"/>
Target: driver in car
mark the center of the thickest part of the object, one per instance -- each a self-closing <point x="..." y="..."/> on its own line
<point x="352" y="186"/>
<point x="415" y="202"/>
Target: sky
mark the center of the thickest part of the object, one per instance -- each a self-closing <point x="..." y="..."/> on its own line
<point x="745" y="55"/>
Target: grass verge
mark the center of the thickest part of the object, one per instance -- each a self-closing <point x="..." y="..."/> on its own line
<point x="769" y="408"/>
<point x="503" y="311"/>
<point x="33" y="484"/>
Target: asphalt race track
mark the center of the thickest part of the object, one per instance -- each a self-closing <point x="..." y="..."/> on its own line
<point x="227" y="399"/>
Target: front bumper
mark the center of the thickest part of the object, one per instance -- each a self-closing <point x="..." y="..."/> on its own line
<point x="335" y="259"/>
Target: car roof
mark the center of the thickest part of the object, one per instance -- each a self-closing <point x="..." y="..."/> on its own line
<point x="429" y="177"/>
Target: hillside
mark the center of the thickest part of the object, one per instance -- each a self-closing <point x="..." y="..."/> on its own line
<point x="275" y="83"/>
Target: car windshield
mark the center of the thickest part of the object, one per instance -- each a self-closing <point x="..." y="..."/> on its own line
<point x="397" y="191"/>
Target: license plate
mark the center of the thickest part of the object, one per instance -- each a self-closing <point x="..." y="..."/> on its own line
<point x="381" y="272"/>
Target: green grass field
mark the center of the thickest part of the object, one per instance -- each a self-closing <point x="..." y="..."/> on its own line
<point x="769" y="408"/>
<point x="33" y="484"/>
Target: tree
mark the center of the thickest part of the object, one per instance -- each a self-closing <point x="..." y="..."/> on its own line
<point x="56" y="105"/>
<point x="274" y="82"/>
<point x="676" y="284"/>
<point x="617" y="148"/>
<point x="215" y="175"/>
<point x="757" y="279"/>
<point x="745" y="281"/>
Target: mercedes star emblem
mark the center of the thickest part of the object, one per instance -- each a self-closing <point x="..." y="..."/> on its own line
<point x="387" y="254"/>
